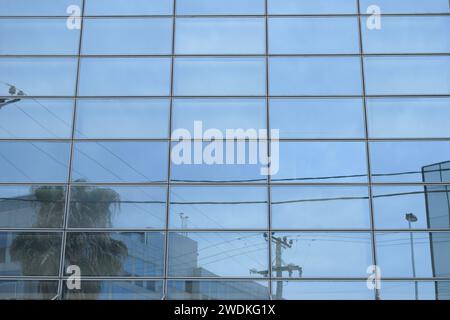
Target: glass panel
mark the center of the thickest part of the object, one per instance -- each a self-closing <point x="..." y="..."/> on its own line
<point x="220" y="35"/>
<point x="223" y="7"/>
<point x="325" y="290"/>
<point x="217" y="290"/>
<point x="36" y="8"/>
<point x="322" y="254"/>
<point x="123" y="118"/>
<point x="116" y="254"/>
<point x="217" y="254"/>
<point x="408" y="6"/>
<point x="406" y="290"/>
<point x="120" y="162"/>
<point x="29" y="254"/>
<point x="312" y="7"/>
<point x="37" y="36"/>
<point x="116" y="290"/>
<point x="219" y="76"/>
<point x="409" y="35"/>
<point x="315" y="76"/>
<point x="409" y="118"/>
<point x="129" y="7"/>
<point x="322" y="162"/>
<point x="28" y="290"/>
<point x="410" y="161"/>
<point x="313" y="35"/>
<point x="125" y="76"/>
<point x="127" y="36"/>
<point x="407" y="75"/>
<point x="326" y="207"/>
<point x="220" y="114"/>
<point x="34" y="161"/>
<point x="317" y="118"/>
<point x="37" y="76"/>
<point x="117" y="207"/>
<point x="214" y="207"/>
<point x="32" y="206"/>
<point x="35" y="118"/>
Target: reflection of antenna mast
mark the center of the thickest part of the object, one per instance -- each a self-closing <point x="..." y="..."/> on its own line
<point x="184" y="219"/>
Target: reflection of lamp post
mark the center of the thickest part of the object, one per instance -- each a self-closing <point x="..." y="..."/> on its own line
<point x="412" y="218"/>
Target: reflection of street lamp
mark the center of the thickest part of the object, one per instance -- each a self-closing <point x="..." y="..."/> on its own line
<point x="410" y="217"/>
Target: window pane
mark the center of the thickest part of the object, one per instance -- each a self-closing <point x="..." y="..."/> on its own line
<point x="219" y="76"/>
<point x="30" y="254"/>
<point x="313" y="35"/>
<point x="215" y="207"/>
<point x="317" y="118"/>
<point x="34" y="161"/>
<point x="117" y="207"/>
<point x="37" y="8"/>
<point x="127" y="36"/>
<point x="409" y="35"/>
<point x="120" y="162"/>
<point x="320" y="208"/>
<point x="406" y="290"/>
<point x="407" y="75"/>
<point x="408" y="6"/>
<point x="324" y="290"/>
<point x="410" y="161"/>
<point x="37" y="36"/>
<point x="315" y="76"/>
<point x="216" y="254"/>
<point x="136" y="118"/>
<point x="28" y="290"/>
<point x="38" y="76"/>
<point x="325" y="254"/>
<point x="116" y="254"/>
<point x="220" y="35"/>
<point x="115" y="290"/>
<point x="231" y="7"/>
<point x="36" y="118"/>
<point x="322" y="162"/>
<point x="221" y="114"/>
<point x="217" y="290"/>
<point x="129" y="7"/>
<point x="32" y="206"/>
<point x="409" y="118"/>
<point x="311" y="6"/>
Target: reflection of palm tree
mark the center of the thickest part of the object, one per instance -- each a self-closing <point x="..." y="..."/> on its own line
<point x="95" y="254"/>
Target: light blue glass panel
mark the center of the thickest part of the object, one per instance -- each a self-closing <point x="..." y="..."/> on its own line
<point x="28" y="289"/>
<point x="37" y="8"/>
<point x="223" y="7"/>
<point x="414" y="290"/>
<point x="323" y="290"/>
<point x="312" y="6"/>
<point x="408" y="6"/>
<point x="129" y="7"/>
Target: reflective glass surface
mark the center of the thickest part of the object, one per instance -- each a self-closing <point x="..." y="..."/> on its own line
<point x="311" y="7"/>
<point x="35" y="8"/>
<point x="409" y="6"/>
<point x="28" y="290"/>
<point x="229" y="7"/>
<point x="130" y="7"/>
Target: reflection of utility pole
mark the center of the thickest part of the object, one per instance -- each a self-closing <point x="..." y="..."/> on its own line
<point x="280" y="244"/>
<point x="13" y="92"/>
<point x="184" y="222"/>
<point x="412" y="218"/>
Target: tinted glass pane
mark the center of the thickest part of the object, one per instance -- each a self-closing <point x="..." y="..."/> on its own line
<point x="122" y="118"/>
<point x="220" y="35"/>
<point x="408" y="6"/>
<point x="127" y="36"/>
<point x="34" y="161"/>
<point x="125" y="76"/>
<point x="116" y="254"/>
<point x="214" y="207"/>
<point x="325" y="254"/>
<point x="129" y="7"/>
<point x="409" y="290"/>
<point x="217" y="290"/>
<point x="410" y="161"/>
<point x="324" y="290"/>
<point x="409" y="118"/>
<point x="408" y="75"/>
<point x="322" y="162"/>
<point x="37" y="36"/>
<point x="216" y="254"/>
<point x="409" y="35"/>
<point x="29" y="254"/>
<point x="320" y="208"/>
<point x="120" y="161"/>
<point x="219" y="114"/>
<point x="221" y="7"/>
<point x="311" y="6"/>
<point x="219" y="76"/>
<point x="38" y="76"/>
<point x="117" y="207"/>
<point x="116" y="290"/>
<point x="36" y="206"/>
<point x="315" y="76"/>
<point x="28" y="290"/>
<point x="35" y="118"/>
<point x="313" y="35"/>
<point x="317" y="118"/>
<point x="34" y="8"/>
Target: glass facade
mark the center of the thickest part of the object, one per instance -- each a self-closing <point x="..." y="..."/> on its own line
<point x="93" y="91"/>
